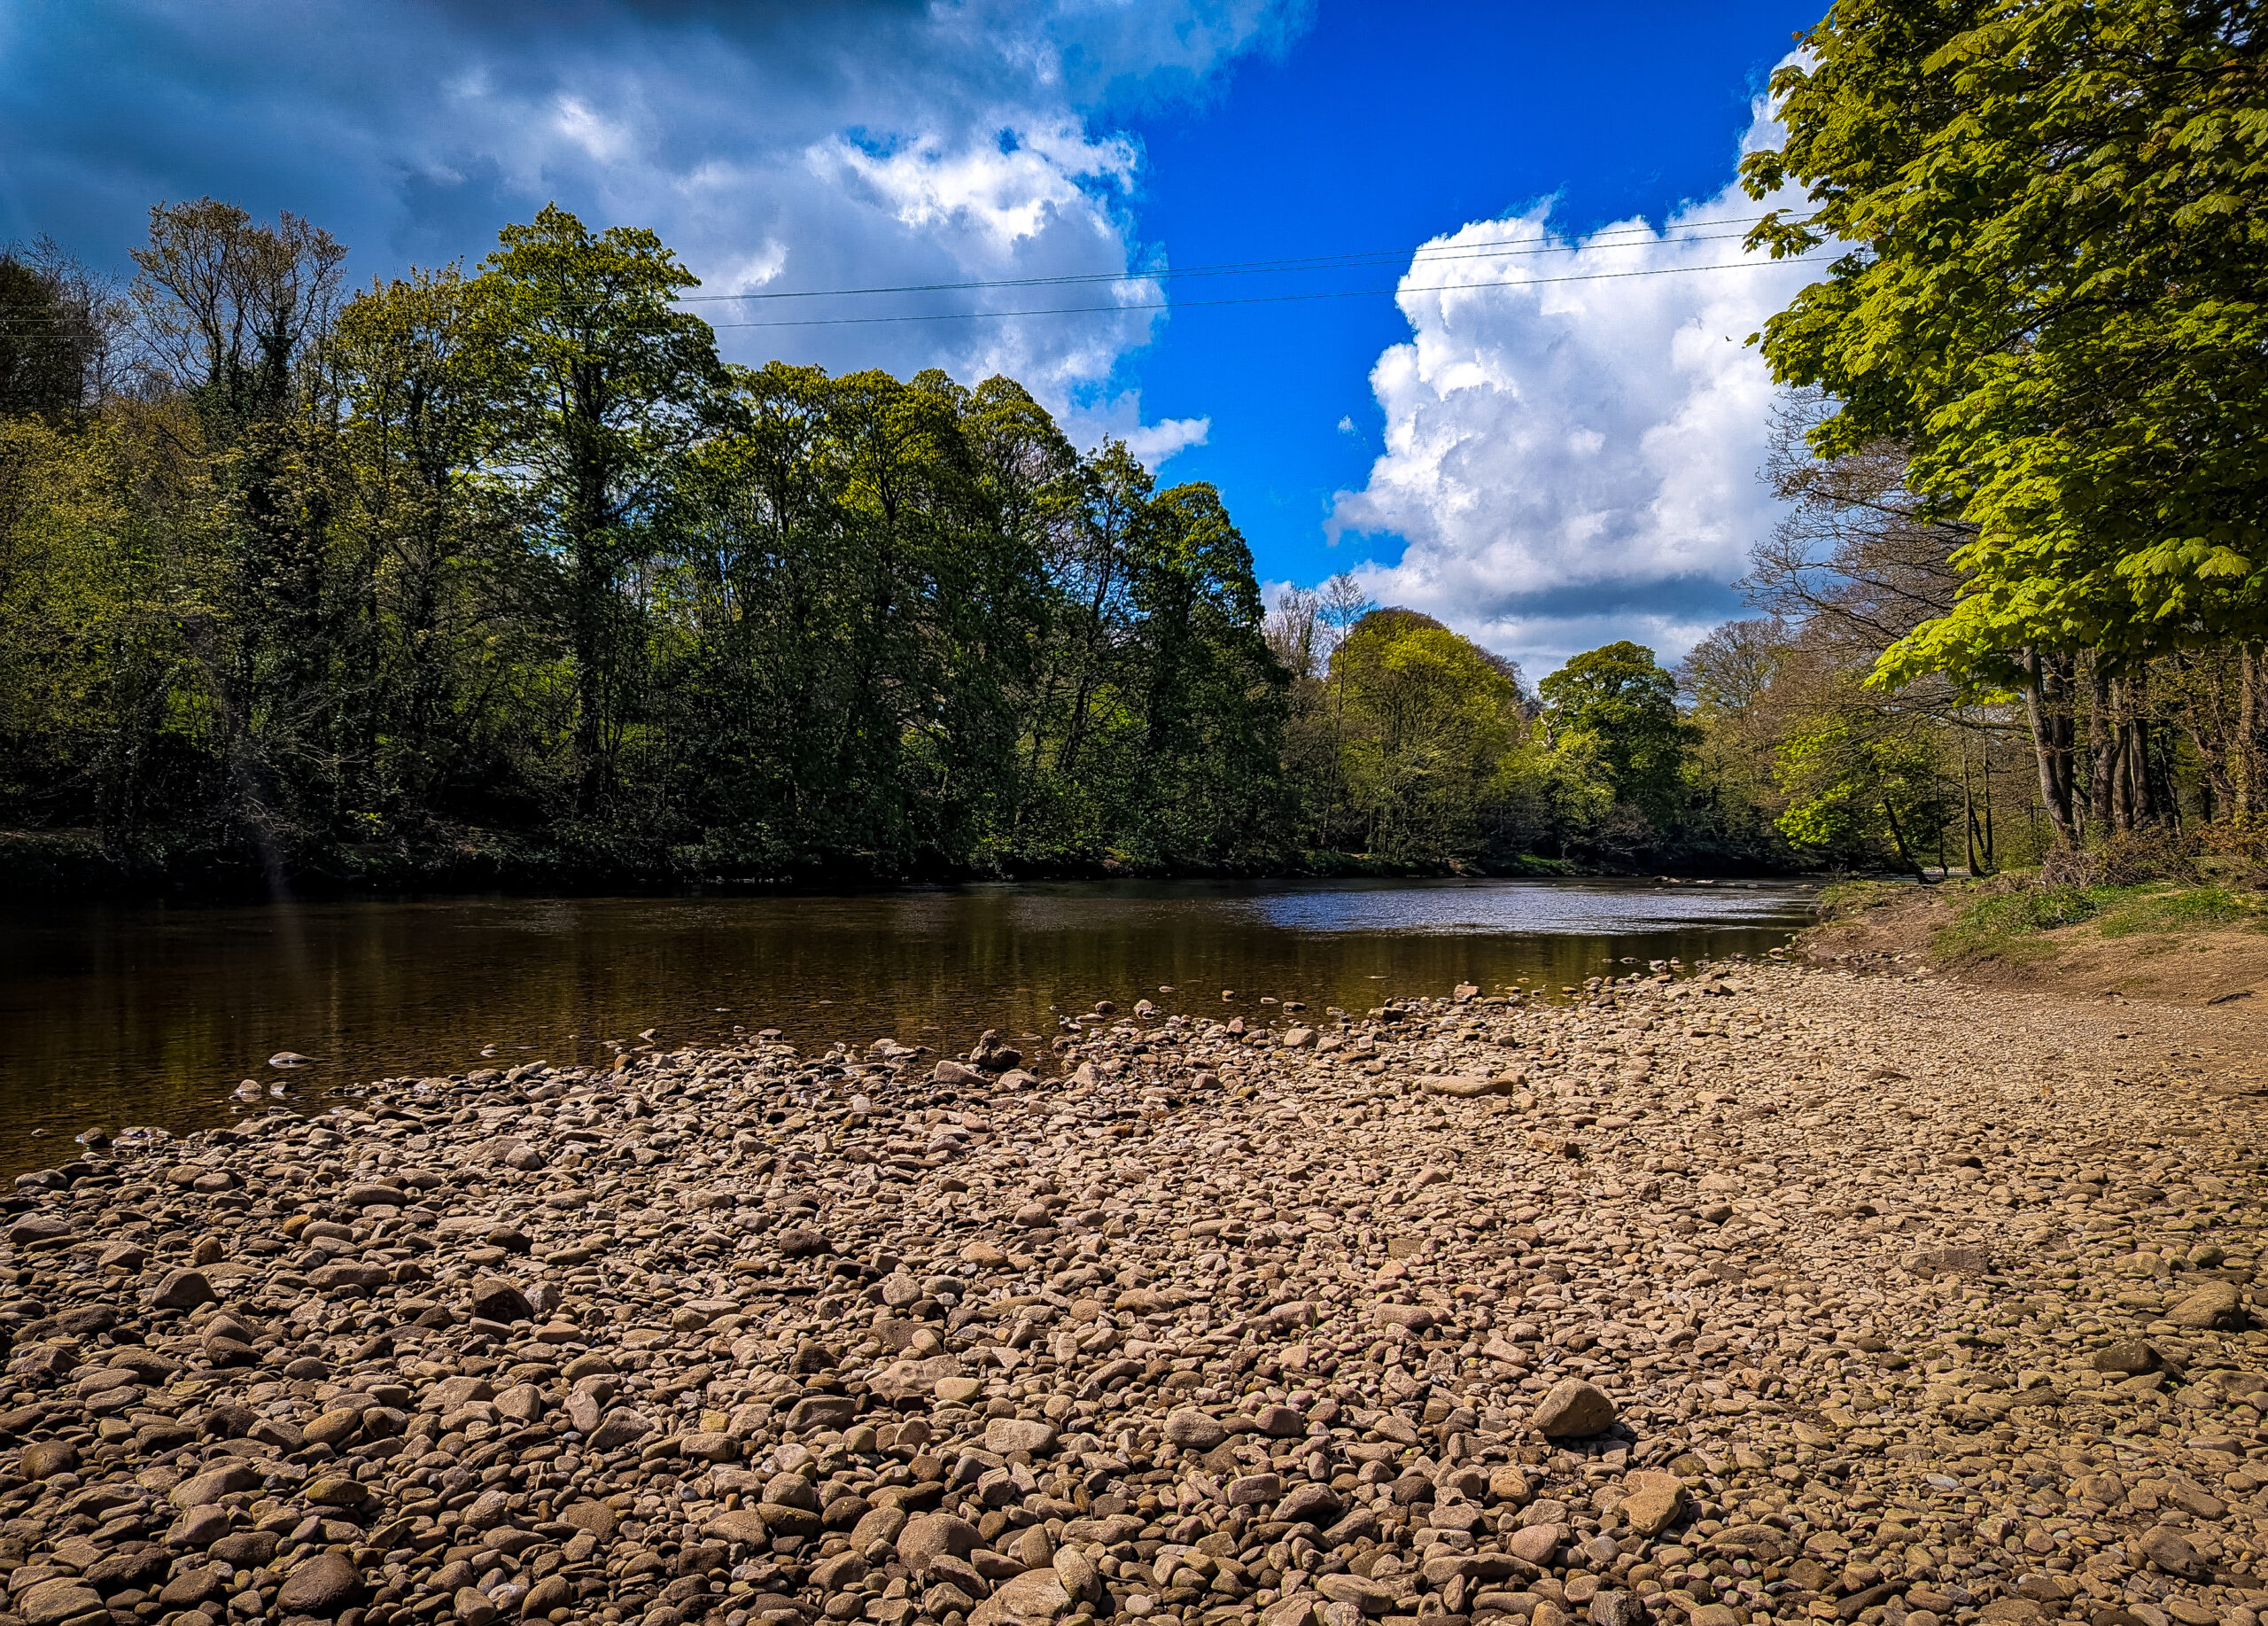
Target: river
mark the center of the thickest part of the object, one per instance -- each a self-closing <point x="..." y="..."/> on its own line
<point x="113" y="1015"/>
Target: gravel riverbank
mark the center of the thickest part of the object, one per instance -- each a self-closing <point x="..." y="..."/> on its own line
<point x="1769" y="1293"/>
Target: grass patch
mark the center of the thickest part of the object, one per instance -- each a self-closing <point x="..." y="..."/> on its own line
<point x="2011" y="924"/>
<point x="2173" y="908"/>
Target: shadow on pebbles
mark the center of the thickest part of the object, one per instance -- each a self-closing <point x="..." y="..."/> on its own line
<point x="1768" y="1293"/>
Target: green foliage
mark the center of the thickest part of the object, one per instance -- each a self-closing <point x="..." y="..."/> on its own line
<point x="596" y="389"/>
<point x="1853" y="786"/>
<point x="50" y="337"/>
<point x="2126" y="911"/>
<point x="510" y="565"/>
<point x="1618" y="747"/>
<point x="1426" y="724"/>
<point x="2056" y="239"/>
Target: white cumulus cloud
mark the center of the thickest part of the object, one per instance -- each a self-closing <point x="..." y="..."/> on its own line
<point x="1571" y="462"/>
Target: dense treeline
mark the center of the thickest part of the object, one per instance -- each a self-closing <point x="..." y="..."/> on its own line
<point x="510" y="565"/>
<point x="513" y="557"/>
<point x="508" y="571"/>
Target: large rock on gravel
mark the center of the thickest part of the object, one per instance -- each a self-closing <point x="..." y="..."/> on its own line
<point x="1033" y="1599"/>
<point x="35" y="1231"/>
<point x="1310" y="1503"/>
<point x="1371" y="1597"/>
<point x="1193" y="1431"/>
<point x="1535" y="1543"/>
<point x="740" y="1524"/>
<point x="913" y="1380"/>
<point x="50" y="1603"/>
<point x="1007" y="1434"/>
<point x="207" y="1489"/>
<point x="1077" y="1573"/>
<point x="45" y="1458"/>
<point x="2215" y="1305"/>
<point x="815" y="1412"/>
<point x="621" y="1427"/>
<point x="1465" y="1086"/>
<point x="2172" y="1552"/>
<point x="1572" y="1409"/>
<point x="184" y="1289"/>
<point x="933" y="1536"/>
<point x="1612" y="1608"/>
<point x="494" y="1299"/>
<point x="1653" y="1503"/>
<point x="2128" y="1358"/>
<point x="321" y="1585"/>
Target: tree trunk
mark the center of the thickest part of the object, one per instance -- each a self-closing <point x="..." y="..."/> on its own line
<point x="1969" y="812"/>
<point x="2140" y="805"/>
<point x="2104" y="743"/>
<point x="1898" y="838"/>
<point x="1984" y="773"/>
<point x="2048" y="709"/>
<point x="2247" y="753"/>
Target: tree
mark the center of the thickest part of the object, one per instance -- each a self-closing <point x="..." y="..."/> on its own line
<point x="1614" y="711"/>
<point x="230" y="315"/>
<point x="59" y="330"/>
<point x="1428" y="725"/>
<point x="2051" y="214"/>
<point x="229" y="307"/>
<point x="1210" y="695"/>
<point x="1851" y="785"/>
<point x="418" y="426"/>
<point x="1731" y="792"/>
<point x="600" y="389"/>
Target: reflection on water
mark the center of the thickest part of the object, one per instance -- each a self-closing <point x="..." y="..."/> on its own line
<point x="1585" y="907"/>
<point x="113" y="1014"/>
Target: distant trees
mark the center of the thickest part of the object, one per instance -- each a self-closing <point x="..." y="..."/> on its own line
<point x="1617" y="744"/>
<point x="1426" y="724"/>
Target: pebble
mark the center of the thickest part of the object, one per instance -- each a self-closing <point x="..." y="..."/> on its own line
<point x="1771" y="1293"/>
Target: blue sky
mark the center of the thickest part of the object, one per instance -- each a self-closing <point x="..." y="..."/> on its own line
<point x="1545" y="468"/>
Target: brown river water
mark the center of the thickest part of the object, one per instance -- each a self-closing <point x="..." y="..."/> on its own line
<point x="116" y="1015"/>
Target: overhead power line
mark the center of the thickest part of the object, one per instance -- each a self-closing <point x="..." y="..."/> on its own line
<point x="1259" y="298"/>
<point x="1639" y="237"/>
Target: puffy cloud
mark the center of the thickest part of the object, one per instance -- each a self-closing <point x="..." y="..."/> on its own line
<point x="1573" y="461"/>
<point x="777" y="147"/>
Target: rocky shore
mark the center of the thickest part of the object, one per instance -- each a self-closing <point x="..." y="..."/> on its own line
<point x="1771" y="1291"/>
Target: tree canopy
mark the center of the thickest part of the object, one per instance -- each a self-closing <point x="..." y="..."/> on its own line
<point x="2053" y="220"/>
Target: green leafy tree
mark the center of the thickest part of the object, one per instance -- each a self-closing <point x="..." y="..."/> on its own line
<point x="1428" y="725"/>
<point x="59" y="330"/>
<point x="2052" y="240"/>
<point x="1612" y="717"/>
<point x="599" y="389"/>
<point x="1853" y="789"/>
<point x="1210" y="694"/>
<point x="458" y="657"/>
